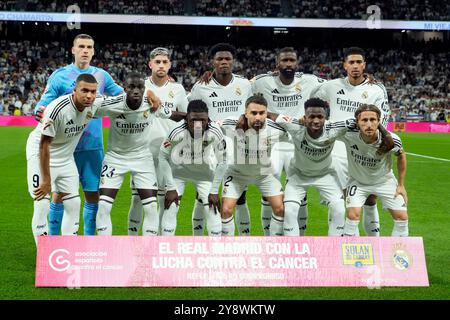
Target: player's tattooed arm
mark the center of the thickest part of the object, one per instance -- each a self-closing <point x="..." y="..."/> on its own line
<point x="387" y="142"/>
<point x="44" y="159"/>
<point x="401" y="172"/>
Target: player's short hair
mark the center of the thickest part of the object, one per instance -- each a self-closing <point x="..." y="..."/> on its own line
<point x="257" y="98"/>
<point x="134" y="74"/>
<point x="317" y="103"/>
<point x="221" y="47"/>
<point x="284" y="50"/>
<point x="82" y="36"/>
<point x="197" y="106"/>
<point x="367" y="107"/>
<point x="86" y="77"/>
<point x="354" y="50"/>
<point x="160" y="51"/>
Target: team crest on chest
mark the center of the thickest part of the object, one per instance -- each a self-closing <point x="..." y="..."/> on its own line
<point x="365" y="95"/>
<point x="238" y="91"/>
<point x="146" y="113"/>
<point x="89" y="115"/>
<point x="298" y="88"/>
<point x="171" y="94"/>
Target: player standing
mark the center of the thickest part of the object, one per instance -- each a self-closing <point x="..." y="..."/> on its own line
<point x="194" y="151"/>
<point x="345" y="95"/>
<point x="225" y="96"/>
<point x="89" y="151"/>
<point x="286" y="92"/>
<point x="173" y="96"/>
<point x="50" y="161"/>
<point x="371" y="172"/>
<point x="128" y="151"/>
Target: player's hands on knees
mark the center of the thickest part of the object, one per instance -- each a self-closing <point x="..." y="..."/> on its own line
<point x="171" y="197"/>
<point x="40" y="113"/>
<point x="386" y="145"/>
<point x="154" y="100"/>
<point x="214" y="202"/>
<point x="206" y="77"/>
<point x="401" y="191"/>
<point x="41" y="191"/>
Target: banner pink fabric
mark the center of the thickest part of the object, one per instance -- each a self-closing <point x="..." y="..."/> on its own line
<point x="126" y="261"/>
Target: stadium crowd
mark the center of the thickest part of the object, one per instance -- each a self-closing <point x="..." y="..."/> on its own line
<point x="346" y="9"/>
<point x="417" y="83"/>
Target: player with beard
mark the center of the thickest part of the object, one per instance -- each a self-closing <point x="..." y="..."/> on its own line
<point x="252" y="145"/>
<point x="225" y="95"/>
<point x="286" y="92"/>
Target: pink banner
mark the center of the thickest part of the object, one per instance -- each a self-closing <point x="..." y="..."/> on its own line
<point x="419" y="127"/>
<point x="126" y="261"/>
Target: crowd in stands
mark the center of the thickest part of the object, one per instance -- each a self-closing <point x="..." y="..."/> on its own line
<point x="417" y="83"/>
<point x="324" y="9"/>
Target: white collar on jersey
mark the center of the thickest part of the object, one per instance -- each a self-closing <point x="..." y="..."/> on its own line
<point x="151" y="81"/>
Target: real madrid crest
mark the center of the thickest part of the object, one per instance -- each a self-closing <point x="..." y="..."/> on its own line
<point x="146" y="113"/>
<point x="89" y="115"/>
<point x="238" y="91"/>
<point x="171" y="94"/>
<point x="298" y="88"/>
<point x="401" y="258"/>
<point x="365" y="95"/>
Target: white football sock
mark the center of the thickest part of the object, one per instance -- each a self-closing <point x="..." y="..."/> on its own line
<point x="243" y="219"/>
<point x="371" y="220"/>
<point x="266" y="214"/>
<point x="71" y="216"/>
<point x="198" y="219"/>
<point x="169" y="220"/>
<point x="276" y="225"/>
<point x="134" y="214"/>
<point x="104" y="224"/>
<point x="39" y="223"/>
<point x="228" y="226"/>
<point x="336" y="218"/>
<point x="303" y="217"/>
<point x="291" y="210"/>
<point x="150" y="226"/>
<point x="213" y="222"/>
<point x="351" y="228"/>
<point x="400" y="228"/>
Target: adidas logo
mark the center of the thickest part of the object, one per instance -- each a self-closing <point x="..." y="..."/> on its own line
<point x="213" y="95"/>
<point x="354" y="147"/>
<point x="121" y="117"/>
<point x="69" y="122"/>
<point x="275" y="91"/>
<point x="133" y="229"/>
<point x="341" y="91"/>
<point x="198" y="228"/>
<point x="155" y="185"/>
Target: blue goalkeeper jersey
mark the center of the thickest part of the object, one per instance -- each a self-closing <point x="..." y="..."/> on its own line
<point x="62" y="82"/>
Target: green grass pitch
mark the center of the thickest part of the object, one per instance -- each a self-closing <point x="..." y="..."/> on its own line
<point x="427" y="183"/>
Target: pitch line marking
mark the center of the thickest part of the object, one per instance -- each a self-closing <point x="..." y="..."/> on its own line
<point x="428" y="157"/>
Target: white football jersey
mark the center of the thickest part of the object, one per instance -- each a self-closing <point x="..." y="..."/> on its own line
<point x="128" y="132"/>
<point x="64" y="123"/>
<point x="312" y="157"/>
<point x="173" y="96"/>
<point x="344" y="98"/>
<point x="251" y="151"/>
<point x="191" y="159"/>
<point x="286" y="99"/>
<point x="364" y="164"/>
<point x="223" y="101"/>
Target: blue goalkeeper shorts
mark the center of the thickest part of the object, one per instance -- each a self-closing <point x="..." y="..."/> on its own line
<point x="89" y="164"/>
